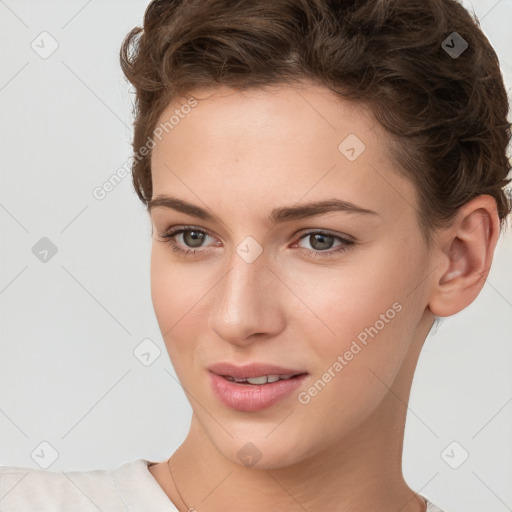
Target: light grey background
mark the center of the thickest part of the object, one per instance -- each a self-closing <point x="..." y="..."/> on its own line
<point x="69" y="327"/>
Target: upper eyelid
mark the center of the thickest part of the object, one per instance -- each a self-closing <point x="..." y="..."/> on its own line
<point x="176" y="230"/>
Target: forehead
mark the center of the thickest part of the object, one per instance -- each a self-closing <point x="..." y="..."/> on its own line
<point x="278" y="145"/>
<point x="274" y="115"/>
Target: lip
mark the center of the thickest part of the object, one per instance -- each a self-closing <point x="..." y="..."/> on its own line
<point x="252" y="370"/>
<point x="249" y="397"/>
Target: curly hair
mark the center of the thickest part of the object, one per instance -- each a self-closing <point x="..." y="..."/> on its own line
<point x="446" y="114"/>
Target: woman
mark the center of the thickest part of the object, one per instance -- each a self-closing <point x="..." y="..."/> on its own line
<point x="325" y="182"/>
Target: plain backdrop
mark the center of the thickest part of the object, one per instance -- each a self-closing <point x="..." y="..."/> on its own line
<point x="75" y="394"/>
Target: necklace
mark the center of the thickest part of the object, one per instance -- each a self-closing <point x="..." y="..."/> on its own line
<point x="174" y="482"/>
<point x="191" y="508"/>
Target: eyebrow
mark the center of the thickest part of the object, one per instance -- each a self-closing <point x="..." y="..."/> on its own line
<point x="277" y="215"/>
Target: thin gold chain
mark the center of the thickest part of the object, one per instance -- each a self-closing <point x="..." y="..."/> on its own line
<point x="188" y="508"/>
<point x="179" y="493"/>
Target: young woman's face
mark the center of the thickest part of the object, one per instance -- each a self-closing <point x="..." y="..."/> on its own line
<point x="340" y="296"/>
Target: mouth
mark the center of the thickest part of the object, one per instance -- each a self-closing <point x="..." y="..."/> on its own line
<point x="254" y="371"/>
<point x="250" y="394"/>
<point x="261" y="380"/>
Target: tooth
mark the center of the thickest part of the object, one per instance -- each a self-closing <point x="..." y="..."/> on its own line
<point x="258" y="380"/>
<point x="264" y="379"/>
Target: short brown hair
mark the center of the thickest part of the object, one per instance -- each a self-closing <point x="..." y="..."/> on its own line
<point x="446" y="115"/>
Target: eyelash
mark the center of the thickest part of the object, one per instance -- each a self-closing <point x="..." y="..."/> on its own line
<point x="168" y="240"/>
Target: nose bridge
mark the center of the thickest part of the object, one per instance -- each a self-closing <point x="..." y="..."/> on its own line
<point x="245" y="302"/>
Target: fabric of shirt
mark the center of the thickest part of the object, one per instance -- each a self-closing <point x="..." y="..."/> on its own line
<point x="130" y="487"/>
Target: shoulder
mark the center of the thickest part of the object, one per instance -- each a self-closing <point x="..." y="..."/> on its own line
<point x="29" y="489"/>
<point x="431" y="507"/>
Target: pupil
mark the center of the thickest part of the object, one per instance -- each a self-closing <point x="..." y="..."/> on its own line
<point x="321" y="237"/>
<point x="195" y="237"/>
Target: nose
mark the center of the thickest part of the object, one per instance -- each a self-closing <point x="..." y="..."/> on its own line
<point x="246" y="303"/>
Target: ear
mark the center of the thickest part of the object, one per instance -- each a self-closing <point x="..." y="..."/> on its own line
<point x="464" y="258"/>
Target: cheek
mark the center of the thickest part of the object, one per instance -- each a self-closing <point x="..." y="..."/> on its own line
<point x="356" y="311"/>
<point x="179" y="297"/>
<point x="357" y="348"/>
<point x="171" y="293"/>
<point x="162" y="288"/>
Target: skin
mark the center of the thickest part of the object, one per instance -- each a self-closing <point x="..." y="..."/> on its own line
<point x="241" y="154"/>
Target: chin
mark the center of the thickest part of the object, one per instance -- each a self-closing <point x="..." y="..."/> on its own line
<point x="259" y="452"/>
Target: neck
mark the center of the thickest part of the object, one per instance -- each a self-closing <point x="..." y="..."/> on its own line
<point x="362" y="472"/>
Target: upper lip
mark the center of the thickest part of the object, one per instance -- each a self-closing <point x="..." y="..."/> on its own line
<point x="251" y="370"/>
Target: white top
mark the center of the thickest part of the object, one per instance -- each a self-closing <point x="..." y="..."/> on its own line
<point x="130" y="487"/>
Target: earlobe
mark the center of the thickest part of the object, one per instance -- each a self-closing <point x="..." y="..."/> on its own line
<point x="466" y="256"/>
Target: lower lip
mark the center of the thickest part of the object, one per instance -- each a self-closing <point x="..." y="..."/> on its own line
<point x="251" y="397"/>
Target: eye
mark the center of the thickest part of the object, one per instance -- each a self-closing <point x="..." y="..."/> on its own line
<point x="193" y="239"/>
<point x="190" y="235"/>
<point x="322" y="240"/>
